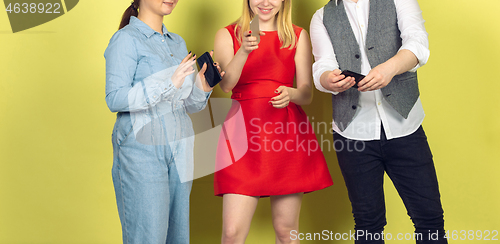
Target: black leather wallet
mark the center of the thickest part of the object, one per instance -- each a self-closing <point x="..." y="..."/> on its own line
<point x="211" y="74"/>
<point x="357" y="77"/>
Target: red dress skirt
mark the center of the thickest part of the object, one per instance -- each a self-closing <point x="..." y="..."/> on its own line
<point x="262" y="150"/>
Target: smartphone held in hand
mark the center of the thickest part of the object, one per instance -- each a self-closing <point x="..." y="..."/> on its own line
<point x="212" y="75"/>
<point x="255" y="28"/>
<point x="357" y="77"/>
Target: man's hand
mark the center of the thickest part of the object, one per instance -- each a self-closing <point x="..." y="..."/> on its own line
<point x="334" y="81"/>
<point x="378" y="78"/>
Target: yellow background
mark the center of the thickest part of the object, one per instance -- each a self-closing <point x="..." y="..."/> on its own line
<point x="55" y="128"/>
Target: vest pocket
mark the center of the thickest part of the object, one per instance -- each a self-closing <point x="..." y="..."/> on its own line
<point x="405" y="76"/>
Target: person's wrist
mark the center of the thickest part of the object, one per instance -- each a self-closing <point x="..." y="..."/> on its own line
<point x="292" y="93"/>
<point x="177" y="83"/>
<point x="389" y="68"/>
<point x="206" y="86"/>
<point x="323" y="80"/>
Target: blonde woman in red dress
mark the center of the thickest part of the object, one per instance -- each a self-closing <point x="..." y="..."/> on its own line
<point x="283" y="160"/>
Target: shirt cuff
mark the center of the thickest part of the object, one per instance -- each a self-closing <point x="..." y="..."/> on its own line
<point x="168" y="90"/>
<point x="199" y="94"/>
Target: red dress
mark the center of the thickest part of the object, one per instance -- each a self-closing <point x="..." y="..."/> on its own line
<point x="262" y="150"/>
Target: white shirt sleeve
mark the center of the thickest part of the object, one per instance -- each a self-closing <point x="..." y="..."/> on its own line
<point x="413" y="33"/>
<point x="324" y="56"/>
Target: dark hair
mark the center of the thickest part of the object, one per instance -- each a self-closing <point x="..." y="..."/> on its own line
<point x="130" y="11"/>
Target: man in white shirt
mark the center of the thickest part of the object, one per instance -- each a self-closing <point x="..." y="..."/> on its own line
<point x="386" y="41"/>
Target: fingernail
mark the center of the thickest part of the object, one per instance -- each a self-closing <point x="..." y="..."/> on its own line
<point x="189" y="52"/>
<point x="250" y="32"/>
<point x="276" y="91"/>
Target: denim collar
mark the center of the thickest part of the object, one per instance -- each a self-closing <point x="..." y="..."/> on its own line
<point x="145" y="29"/>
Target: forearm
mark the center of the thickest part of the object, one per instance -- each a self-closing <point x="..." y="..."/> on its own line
<point x="302" y="95"/>
<point x="381" y="75"/>
<point x="402" y="62"/>
<point x="233" y="71"/>
<point x="139" y="97"/>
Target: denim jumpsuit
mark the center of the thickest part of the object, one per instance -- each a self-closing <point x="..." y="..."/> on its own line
<point x="153" y="137"/>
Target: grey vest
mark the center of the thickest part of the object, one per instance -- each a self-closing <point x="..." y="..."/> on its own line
<point x="382" y="43"/>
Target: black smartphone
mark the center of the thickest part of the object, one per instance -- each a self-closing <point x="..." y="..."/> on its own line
<point x="357" y="77"/>
<point x="211" y="74"/>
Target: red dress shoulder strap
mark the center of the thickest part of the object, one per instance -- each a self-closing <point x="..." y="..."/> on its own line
<point x="298" y="31"/>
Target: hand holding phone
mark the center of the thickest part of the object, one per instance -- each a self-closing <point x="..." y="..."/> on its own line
<point x="212" y="75"/>
<point x="357" y="77"/>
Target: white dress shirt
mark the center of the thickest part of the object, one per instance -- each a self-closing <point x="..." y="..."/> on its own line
<point x="373" y="111"/>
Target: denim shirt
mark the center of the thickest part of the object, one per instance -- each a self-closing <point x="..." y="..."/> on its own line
<point x="151" y="110"/>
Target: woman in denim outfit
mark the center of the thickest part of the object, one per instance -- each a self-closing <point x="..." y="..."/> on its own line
<point x="150" y="83"/>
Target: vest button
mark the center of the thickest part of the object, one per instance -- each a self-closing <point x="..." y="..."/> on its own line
<point x="357" y="56"/>
<point x="354" y="107"/>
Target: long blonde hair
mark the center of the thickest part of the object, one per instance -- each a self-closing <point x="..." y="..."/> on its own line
<point x="286" y="32"/>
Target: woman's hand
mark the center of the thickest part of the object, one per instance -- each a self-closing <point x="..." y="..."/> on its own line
<point x="230" y="61"/>
<point x="184" y="69"/>
<point x="284" y="97"/>
<point x="201" y="74"/>
<point x="249" y="42"/>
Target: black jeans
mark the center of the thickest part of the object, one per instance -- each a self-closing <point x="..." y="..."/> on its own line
<point x="408" y="162"/>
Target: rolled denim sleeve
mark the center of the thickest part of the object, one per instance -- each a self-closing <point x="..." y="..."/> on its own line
<point x="197" y="100"/>
<point x="122" y="95"/>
